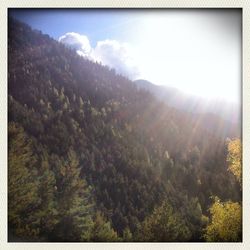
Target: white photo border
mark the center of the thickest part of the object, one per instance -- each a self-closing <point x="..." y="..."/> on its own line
<point x="244" y="4"/>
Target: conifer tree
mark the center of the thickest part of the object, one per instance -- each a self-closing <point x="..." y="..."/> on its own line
<point x="47" y="211"/>
<point x="22" y="184"/>
<point x="102" y="230"/>
<point x="74" y="203"/>
<point x="127" y="235"/>
<point x="164" y="224"/>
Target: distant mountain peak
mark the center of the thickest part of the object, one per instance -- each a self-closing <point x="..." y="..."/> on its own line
<point x="187" y="102"/>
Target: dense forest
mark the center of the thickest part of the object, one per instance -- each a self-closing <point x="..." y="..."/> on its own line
<point x="91" y="157"/>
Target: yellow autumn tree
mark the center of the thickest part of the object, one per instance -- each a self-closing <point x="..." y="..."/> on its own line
<point x="234" y="158"/>
<point x="226" y="222"/>
<point x="226" y="217"/>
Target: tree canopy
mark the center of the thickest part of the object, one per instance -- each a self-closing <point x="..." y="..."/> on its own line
<point x="234" y="158"/>
<point x="226" y="217"/>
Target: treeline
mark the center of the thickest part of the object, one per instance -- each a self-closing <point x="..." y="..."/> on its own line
<point x="92" y="158"/>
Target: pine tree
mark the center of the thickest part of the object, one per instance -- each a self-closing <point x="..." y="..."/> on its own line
<point x="127" y="235"/>
<point x="74" y="205"/>
<point x="102" y="230"/>
<point x="22" y="184"/>
<point x="164" y="224"/>
<point x="47" y="211"/>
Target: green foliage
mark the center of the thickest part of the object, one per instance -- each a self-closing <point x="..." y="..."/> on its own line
<point x="92" y="128"/>
<point x="192" y="215"/>
<point x="22" y="183"/>
<point x="102" y="230"/>
<point x="47" y="211"/>
<point x="226" y="222"/>
<point x="164" y="224"/>
<point x="74" y="204"/>
<point x="127" y="235"/>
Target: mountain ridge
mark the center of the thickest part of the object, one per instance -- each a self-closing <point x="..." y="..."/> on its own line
<point x="103" y="148"/>
<point x="192" y="103"/>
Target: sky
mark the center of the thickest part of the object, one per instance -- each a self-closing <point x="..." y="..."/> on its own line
<point x="195" y="50"/>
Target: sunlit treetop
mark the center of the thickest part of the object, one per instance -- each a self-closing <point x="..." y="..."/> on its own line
<point x="234" y="158"/>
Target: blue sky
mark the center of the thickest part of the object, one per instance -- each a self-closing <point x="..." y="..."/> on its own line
<point x="197" y="51"/>
<point x="96" y="24"/>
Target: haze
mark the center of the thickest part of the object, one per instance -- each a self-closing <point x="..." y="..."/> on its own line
<point x="197" y="51"/>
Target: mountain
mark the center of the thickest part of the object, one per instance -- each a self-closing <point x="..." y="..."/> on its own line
<point x="162" y="92"/>
<point x="195" y="104"/>
<point x="91" y="157"/>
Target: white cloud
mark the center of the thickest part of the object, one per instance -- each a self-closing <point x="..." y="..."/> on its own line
<point x="109" y="52"/>
<point x="79" y="42"/>
<point x="117" y="55"/>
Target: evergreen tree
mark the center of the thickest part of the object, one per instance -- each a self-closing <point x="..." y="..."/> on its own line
<point x="164" y="224"/>
<point x="127" y="235"/>
<point x="102" y="230"/>
<point x="47" y="211"/>
<point x="74" y="204"/>
<point x="22" y="184"/>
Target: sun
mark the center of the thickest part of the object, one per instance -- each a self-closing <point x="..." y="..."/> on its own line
<point x="182" y="52"/>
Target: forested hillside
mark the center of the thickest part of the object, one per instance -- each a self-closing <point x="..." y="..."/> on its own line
<point x="94" y="158"/>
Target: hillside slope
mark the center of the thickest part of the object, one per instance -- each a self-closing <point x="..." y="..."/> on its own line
<point x="194" y="104"/>
<point x="83" y="123"/>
